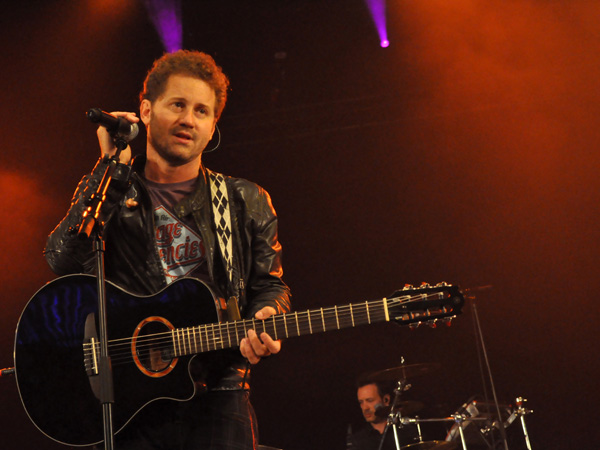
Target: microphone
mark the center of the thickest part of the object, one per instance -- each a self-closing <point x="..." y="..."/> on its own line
<point x="116" y="126"/>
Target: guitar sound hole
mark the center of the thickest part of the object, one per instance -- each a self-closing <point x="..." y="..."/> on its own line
<point x="152" y="350"/>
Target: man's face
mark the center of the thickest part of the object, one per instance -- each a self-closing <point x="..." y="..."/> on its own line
<point x="369" y="399"/>
<point x="180" y="122"/>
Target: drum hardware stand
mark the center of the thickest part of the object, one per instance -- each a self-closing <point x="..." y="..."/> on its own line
<point x="482" y="351"/>
<point x="522" y="411"/>
<point x="459" y="419"/>
<point x="395" y="419"/>
<point x="418" y="424"/>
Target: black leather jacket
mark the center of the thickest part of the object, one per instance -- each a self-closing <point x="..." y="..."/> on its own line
<point x="132" y="260"/>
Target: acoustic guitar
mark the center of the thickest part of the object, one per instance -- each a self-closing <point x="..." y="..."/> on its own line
<point x="151" y="341"/>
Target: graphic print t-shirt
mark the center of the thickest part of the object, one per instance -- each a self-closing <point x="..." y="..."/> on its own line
<point x="179" y="242"/>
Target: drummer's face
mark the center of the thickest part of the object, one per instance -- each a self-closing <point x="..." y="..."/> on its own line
<point x="369" y="399"/>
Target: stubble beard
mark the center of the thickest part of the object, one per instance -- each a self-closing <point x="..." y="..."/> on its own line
<point x="167" y="151"/>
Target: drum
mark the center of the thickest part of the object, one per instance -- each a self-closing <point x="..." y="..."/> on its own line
<point x="481" y="424"/>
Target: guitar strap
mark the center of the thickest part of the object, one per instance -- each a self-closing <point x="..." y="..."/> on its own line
<point x="222" y="218"/>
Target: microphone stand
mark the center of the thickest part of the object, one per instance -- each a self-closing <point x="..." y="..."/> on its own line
<point x="92" y="227"/>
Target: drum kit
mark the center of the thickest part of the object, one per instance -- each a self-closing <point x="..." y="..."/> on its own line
<point x="475" y="425"/>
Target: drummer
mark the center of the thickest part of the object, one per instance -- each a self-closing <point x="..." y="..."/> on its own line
<point x="374" y="399"/>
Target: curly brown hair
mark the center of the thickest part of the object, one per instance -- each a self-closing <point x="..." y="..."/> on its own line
<point x="187" y="62"/>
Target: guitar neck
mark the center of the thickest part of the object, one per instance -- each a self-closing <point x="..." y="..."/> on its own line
<point x="217" y="336"/>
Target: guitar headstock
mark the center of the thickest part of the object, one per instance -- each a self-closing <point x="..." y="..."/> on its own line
<point x="425" y="304"/>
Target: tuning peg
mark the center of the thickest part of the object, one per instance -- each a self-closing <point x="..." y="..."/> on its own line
<point x="414" y="325"/>
<point x="447" y="320"/>
<point x="442" y="284"/>
<point x="407" y="287"/>
<point x="432" y="323"/>
<point x="425" y="285"/>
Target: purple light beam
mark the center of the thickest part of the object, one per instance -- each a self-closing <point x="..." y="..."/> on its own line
<point x="166" y="17"/>
<point x="377" y="9"/>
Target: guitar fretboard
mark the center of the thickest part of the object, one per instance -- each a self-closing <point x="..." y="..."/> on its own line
<point x="217" y="336"/>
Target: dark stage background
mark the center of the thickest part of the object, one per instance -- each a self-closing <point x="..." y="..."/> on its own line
<point x="465" y="152"/>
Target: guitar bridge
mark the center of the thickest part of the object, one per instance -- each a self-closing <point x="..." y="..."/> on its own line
<point x="90" y="356"/>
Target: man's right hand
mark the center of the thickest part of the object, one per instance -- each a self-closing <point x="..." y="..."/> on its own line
<point x="107" y="144"/>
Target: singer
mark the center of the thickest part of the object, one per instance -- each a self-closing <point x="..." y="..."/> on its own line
<point x="163" y="226"/>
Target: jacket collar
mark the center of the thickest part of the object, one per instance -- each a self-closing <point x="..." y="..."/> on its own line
<point x="197" y="201"/>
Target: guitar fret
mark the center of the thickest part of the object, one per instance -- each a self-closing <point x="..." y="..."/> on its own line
<point x="228" y="335"/>
<point x="195" y="340"/>
<point x="297" y="325"/>
<point x="206" y="338"/>
<point x="174" y="341"/>
<point x="221" y="336"/>
<point x="368" y="312"/>
<point x="309" y="322"/>
<point x="352" y="315"/>
<point x="323" y="320"/>
<point x="214" y="337"/>
<point x="385" y="310"/>
<point x="337" y="319"/>
<point x="181" y="341"/>
<point x="183" y="337"/>
<point x="274" y="327"/>
<point x="285" y="323"/>
<point x="237" y="336"/>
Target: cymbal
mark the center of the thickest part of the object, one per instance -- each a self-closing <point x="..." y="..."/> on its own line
<point x="432" y="445"/>
<point x="403" y="372"/>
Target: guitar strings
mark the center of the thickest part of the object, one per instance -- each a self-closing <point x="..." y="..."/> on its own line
<point x="120" y="349"/>
<point x="164" y="340"/>
<point x="208" y="337"/>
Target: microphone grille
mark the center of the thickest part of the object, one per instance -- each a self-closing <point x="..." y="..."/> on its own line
<point x="133" y="133"/>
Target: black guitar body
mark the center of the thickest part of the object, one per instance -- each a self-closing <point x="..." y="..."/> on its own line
<point x="56" y="387"/>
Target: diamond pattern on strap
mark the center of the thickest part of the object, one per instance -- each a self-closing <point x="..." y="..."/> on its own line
<point x="220" y="202"/>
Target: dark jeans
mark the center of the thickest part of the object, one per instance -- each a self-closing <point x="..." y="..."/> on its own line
<point x="217" y="420"/>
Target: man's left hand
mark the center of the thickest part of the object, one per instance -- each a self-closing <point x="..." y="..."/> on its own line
<point x="254" y="347"/>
